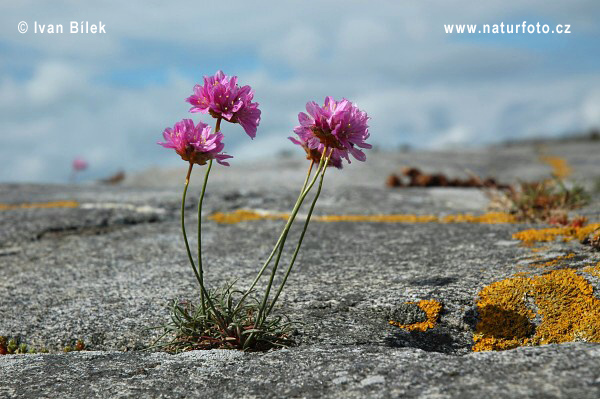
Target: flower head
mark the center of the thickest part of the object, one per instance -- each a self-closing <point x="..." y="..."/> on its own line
<point x="222" y="97"/>
<point x="79" y="164"/>
<point x="195" y="144"/>
<point x="338" y="126"/>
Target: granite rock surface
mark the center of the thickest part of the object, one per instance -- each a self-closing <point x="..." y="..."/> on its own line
<point x="104" y="269"/>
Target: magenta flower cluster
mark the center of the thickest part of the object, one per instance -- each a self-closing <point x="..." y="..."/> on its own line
<point x="223" y="98"/>
<point x="338" y="126"/>
<point x="195" y="144"/>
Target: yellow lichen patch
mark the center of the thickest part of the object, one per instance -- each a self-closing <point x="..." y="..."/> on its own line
<point x="560" y="167"/>
<point x="504" y="318"/>
<point x="432" y="309"/>
<point x="593" y="270"/>
<point x="540" y="235"/>
<point x="554" y="261"/>
<point x="562" y="299"/>
<point x="486" y="218"/>
<point x="242" y="215"/>
<point x="567" y="233"/>
<point x="522" y="274"/>
<point x="583" y="232"/>
<point x="54" y="204"/>
<point x="378" y="218"/>
<point x="568" y="308"/>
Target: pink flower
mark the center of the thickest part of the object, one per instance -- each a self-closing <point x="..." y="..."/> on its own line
<point x="79" y="164"/>
<point x="223" y="98"/>
<point x="195" y="144"/>
<point x="338" y="126"/>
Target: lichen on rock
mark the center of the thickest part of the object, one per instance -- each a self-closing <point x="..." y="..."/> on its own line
<point x="432" y="309"/>
<point x="563" y="300"/>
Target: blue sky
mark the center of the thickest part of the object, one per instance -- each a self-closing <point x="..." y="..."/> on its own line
<point x="108" y="97"/>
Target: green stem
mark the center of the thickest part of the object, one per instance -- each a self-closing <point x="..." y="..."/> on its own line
<point x="185" y="239"/>
<point x="204" y="293"/>
<point x="289" y="269"/>
<point x="200" y="269"/>
<point x="282" y="242"/>
<point x="187" y="247"/>
<point x="281" y="238"/>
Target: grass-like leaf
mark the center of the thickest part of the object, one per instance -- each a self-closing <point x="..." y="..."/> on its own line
<point x="190" y="328"/>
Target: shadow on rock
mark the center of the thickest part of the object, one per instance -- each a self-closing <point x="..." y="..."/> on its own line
<point x="434" y="340"/>
<point x="471" y="317"/>
<point x="498" y="322"/>
<point x="433" y="281"/>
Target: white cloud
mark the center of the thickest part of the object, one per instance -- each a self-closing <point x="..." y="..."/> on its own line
<point x="362" y="34"/>
<point x="419" y="85"/>
<point x="453" y="136"/>
<point x="53" y="82"/>
<point x="299" y="47"/>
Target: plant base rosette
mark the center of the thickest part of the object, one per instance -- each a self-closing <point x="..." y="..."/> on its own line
<point x="191" y="328"/>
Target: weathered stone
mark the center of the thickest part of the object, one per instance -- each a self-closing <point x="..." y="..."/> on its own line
<point x="408" y="313"/>
<point x="104" y="271"/>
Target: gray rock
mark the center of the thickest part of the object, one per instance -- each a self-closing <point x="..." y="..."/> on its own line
<point x="363" y="371"/>
<point x="105" y="270"/>
<point x="408" y="313"/>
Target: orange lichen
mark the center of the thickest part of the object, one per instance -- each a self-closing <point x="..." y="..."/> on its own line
<point x="554" y="261"/>
<point x="486" y="218"/>
<point x="567" y="233"/>
<point x="242" y="215"/>
<point x="593" y="270"/>
<point x="504" y="318"/>
<point x="53" y="204"/>
<point x="378" y="218"/>
<point x="432" y="309"/>
<point x="560" y="167"/>
<point x="562" y="299"/>
<point x="540" y="235"/>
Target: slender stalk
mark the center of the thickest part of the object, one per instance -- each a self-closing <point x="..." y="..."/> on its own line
<point x="185" y="239"/>
<point x="200" y="273"/>
<point x="290" y="218"/>
<point x="200" y="270"/>
<point x="281" y="238"/>
<point x="187" y="247"/>
<point x="289" y="269"/>
<point x="312" y="162"/>
<point x="282" y="244"/>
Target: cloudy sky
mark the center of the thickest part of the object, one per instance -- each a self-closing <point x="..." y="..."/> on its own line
<point x="108" y="97"/>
